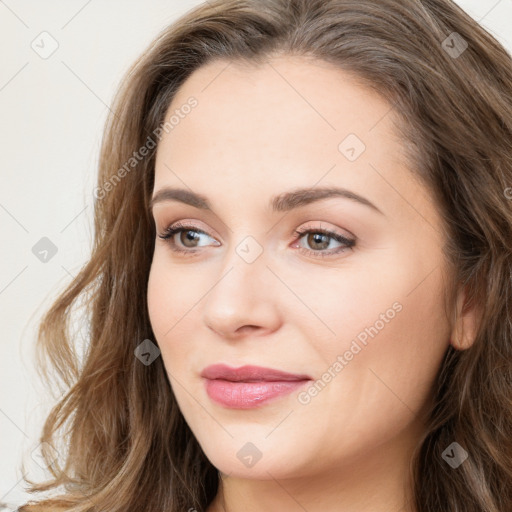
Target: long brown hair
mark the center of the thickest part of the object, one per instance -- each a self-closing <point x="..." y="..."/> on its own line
<point x="123" y="444"/>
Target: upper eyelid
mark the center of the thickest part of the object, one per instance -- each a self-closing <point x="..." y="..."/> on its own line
<point x="184" y="225"/>
<point x="304" y="229"/>
<point x="224" y="226"/>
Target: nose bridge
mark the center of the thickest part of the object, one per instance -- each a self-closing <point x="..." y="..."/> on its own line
<point x="243" y="269"/>
<point x="240" y="296"/>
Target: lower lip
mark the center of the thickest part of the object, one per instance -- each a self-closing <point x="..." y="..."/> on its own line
<point x="247" y="395"/>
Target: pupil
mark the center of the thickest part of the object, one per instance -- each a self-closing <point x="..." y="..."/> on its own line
<point x="317" y="239"/>
<point x="190" y="236"/>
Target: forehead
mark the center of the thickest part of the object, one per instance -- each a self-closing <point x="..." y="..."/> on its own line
<point x="281" y="100"/>
<point x="288" y="122"/>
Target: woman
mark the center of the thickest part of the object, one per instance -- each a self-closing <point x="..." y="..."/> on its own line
<point x="299" y="292"/>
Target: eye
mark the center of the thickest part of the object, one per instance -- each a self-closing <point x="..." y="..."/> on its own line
<point x="318" y="239"/>
<point x="188" y="236"/>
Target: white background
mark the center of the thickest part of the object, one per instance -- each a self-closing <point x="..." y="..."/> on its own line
<point x="52" y="114"/>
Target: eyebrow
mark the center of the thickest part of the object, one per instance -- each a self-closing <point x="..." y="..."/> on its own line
<point x="283" y="202"/>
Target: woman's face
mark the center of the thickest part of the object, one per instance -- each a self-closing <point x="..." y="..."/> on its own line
<point x="363" y="319"/>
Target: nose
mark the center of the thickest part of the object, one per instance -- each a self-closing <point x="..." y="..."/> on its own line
<point x="243" y="300"/>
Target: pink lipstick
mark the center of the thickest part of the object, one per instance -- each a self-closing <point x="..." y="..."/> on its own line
<point x="249" y="386"/>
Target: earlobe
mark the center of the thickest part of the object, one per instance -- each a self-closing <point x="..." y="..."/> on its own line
<point x="465" y="323"/>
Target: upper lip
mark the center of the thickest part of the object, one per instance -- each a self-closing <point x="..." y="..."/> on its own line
<point x="249" y="373"/>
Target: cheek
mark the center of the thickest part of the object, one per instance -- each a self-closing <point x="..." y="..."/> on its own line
<point x="158" y="300"/>
<point x="380" y="368"/>
<point x="167" y="313"/>
<point x="171" y="295"/>
<point x="173" y="302"/>
<point x="399" y="353"/>
<point x="391" y="334"/>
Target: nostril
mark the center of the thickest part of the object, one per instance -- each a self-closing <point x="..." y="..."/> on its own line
<point x="248" y="328"/>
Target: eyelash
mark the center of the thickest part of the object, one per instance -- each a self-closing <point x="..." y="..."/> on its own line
<point x="178" y="227"/>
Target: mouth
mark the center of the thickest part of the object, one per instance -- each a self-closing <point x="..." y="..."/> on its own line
<point x="249" y="386"/>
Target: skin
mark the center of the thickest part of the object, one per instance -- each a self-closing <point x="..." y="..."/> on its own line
<point x="257" y="132"/>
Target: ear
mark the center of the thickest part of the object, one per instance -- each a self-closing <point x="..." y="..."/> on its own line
<point x="465" y="323"/>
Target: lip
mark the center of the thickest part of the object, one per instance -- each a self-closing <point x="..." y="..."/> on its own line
<point x="249" y="386"/>
<point x="249" y="373"/>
